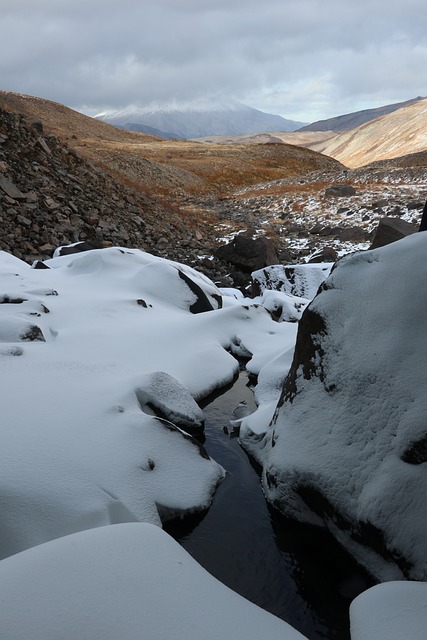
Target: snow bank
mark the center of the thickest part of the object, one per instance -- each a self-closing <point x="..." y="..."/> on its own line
<point x="124" y="581"/>
<point x="390" y="611"/>
<point x="114" y="330"/>
<point x="347" y="446"/>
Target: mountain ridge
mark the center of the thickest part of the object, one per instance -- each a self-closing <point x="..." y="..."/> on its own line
<point x="199" y="120"/>
<point x="354" y="119"/>
<point x="396" y="134"/>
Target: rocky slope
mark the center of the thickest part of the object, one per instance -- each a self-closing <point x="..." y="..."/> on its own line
<point x="49" y="196"/>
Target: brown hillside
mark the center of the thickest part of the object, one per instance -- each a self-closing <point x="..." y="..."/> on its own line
<point x="168" y="167"/>
<point x="66" y="123"/>
<point x="394" y="135"/>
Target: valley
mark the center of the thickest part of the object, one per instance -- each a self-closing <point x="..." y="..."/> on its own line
<point x="181" y="199"/>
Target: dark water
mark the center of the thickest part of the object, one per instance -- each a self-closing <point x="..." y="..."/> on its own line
<point x="296" y="572"/>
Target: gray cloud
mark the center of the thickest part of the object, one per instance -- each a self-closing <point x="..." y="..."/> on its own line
<point x="304" y="59"/>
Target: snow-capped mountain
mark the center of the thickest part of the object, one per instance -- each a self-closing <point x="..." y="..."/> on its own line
<point x="198" y="119"/>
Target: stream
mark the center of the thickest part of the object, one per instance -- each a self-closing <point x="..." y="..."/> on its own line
<point x="296" y="572"/>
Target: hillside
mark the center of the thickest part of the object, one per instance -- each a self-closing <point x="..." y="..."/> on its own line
<point x="298" y="138"/>
<point x="397" y="134"/>
<point x="355" y="119"/>
<point x="171" y="168"/>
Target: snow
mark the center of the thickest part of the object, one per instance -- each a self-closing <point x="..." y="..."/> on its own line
<point x="302" y="280"/>
<point x="123" y="581"/>
<point x="344" y="433"/>
<point x="170" y="398"/>
<point x="100" y="341"/>
<point x="117" y="338"/>
<point x="390" y="611"/>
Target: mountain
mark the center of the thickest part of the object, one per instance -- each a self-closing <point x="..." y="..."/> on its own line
<point x="351" y="120"/>
<point x="200" y="119"/>
<point x="396" y="134"/>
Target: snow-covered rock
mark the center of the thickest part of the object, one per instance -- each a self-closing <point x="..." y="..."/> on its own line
<point x="300" y="280"/>
<point x="390" y="611"/>
<point x="128" y="581"/>
<point x="77" y="449"/>
<point x="347" y="446"/>
<point x="169" y="398"/>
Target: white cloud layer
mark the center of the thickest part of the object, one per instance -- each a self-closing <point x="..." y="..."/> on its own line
<point x="304" y="59"/>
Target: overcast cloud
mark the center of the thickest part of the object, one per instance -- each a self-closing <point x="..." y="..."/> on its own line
<point x="303" y="59"/>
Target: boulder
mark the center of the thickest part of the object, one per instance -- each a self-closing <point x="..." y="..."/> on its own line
<point x="169" y="399"/>
<point x="347" y="446"/>
<point x="248" y="253"/>
<point x="300" y="280"/>
<point x="340" y="190"/>
<point x="327" y="254"/>
<point x="391" y="229"/>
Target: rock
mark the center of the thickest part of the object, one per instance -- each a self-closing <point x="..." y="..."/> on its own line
<point x="202" y="303"/>
<point x="300" y="280"/>
<point x="162" y="393"/>
<point x="248" y="253"/>
<point x="10" y="189"/>
<point x="423" y="223"/>
<point x="352" y="234"/>
<point x="347" y="446"/>
<point x="78" y="247"/>
<point x="327" y="254"/>
<point x="43" y="144"/>
<point x="391" y="229"/>
<point x="340" y="190"/>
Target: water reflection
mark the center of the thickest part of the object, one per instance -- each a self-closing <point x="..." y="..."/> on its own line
<point x="294" y="571"/>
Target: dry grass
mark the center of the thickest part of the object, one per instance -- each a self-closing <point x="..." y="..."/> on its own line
<point x="170" y="168"/>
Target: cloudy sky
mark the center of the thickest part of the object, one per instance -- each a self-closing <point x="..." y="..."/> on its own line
<point x="303" y="59"/>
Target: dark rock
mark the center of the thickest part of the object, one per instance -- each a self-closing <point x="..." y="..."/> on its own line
<point x="79" y="247"/>
<point x="10" y="189"/>
<point x="390" y="230"/>
<point x="352" y="234"/>
<point x="423" y="223"/>
<point x="33" y="334"/>
<point x="248" y="253"/>
<point x="202" y="303"/>
<point x="414" y="205"/>
<point x="416" y="453"/>
<point x="379" y="204"/>
<point x="340" y="190"/>
<point x="327" y="254"/>
<point x="38" y="126"/>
